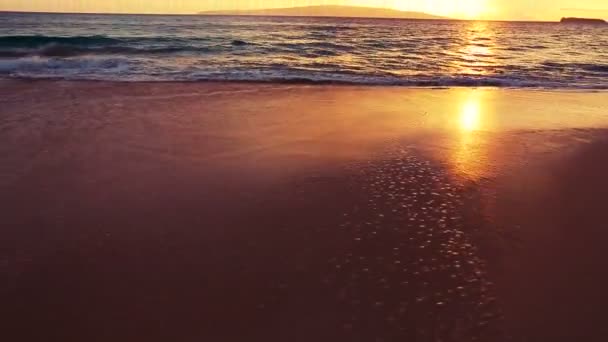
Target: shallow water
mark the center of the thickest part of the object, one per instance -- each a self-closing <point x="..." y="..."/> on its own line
<point x="362" y="51"/>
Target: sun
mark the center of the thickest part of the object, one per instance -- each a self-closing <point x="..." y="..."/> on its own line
<point x="456" y="9"/>
<point x="470" y="9"/>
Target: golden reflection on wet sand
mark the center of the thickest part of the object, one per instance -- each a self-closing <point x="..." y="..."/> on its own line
<point x="469" y="116"/>
<point x="469" y="154"/>
<point x="184" y="187"/>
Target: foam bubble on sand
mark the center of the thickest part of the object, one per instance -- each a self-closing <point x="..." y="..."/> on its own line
<point x="424" y="270"/>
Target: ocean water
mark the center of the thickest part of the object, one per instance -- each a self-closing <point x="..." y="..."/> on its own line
<point x="308" y="50"/>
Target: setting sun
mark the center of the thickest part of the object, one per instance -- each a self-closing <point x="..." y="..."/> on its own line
<point x="470" y="9"/>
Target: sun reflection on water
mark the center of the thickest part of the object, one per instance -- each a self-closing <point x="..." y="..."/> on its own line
<point x="476" y="55"/>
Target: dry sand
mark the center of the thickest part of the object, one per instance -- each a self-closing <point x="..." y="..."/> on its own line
<point x="261" y="212"/>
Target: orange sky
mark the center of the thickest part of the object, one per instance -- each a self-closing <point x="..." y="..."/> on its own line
<point x="467" y="9"/>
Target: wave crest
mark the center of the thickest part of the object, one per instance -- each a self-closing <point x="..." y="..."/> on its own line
<point x="121" y="69"/>
<point x="60" y="50"/>
<point x="36" y="41"/>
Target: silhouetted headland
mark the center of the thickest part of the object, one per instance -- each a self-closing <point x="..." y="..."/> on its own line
<point x="329" y="11"/>
<point x="583" y="21"/>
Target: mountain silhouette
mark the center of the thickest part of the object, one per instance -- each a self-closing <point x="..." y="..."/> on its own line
<point x="329" y="11"/>
<point x="583" y="21"/>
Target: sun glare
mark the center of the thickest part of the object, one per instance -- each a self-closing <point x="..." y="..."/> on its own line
<point x="469" y="116"/>
<point x="470" y="9"/>
<point x="469" y="153"/>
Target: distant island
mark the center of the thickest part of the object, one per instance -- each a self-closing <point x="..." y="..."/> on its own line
<point x="583" y="21"/>
<point x="330" y="11"/>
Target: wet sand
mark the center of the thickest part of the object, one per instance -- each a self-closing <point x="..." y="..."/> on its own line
<point x="262" y="212"/>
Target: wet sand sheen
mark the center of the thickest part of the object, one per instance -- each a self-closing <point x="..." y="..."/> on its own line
<point x="271" y="212"/>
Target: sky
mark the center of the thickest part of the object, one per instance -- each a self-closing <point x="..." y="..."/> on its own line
<point x="463" y="9"/>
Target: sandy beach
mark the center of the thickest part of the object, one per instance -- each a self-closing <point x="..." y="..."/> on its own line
<point x="274" y="212"/>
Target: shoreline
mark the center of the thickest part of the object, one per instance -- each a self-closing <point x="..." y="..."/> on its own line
<point x="324" y="213"/>
<point x="320" y="83"/>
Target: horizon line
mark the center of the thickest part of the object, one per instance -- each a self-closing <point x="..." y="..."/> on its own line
<point x="202" y="14"/>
